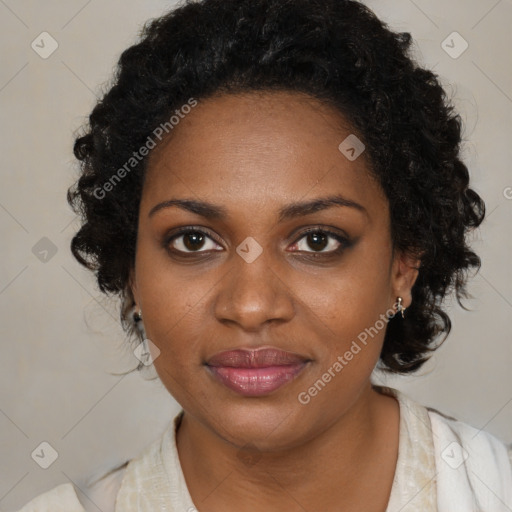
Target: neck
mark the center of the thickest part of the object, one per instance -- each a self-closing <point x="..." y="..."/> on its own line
<point x="335" y="465"/>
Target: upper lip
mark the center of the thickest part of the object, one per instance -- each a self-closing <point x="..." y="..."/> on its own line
<point x="255" y="358"/>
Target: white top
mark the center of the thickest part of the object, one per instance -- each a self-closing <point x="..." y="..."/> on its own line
<point x="443" y="464"/>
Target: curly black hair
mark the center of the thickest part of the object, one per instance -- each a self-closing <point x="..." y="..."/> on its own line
<point x="336" y="51"/>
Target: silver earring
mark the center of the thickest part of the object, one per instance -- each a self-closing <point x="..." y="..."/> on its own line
<point x="399" y="307"/>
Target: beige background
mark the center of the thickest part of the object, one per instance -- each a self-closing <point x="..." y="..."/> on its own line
<point x="60" y="338"/>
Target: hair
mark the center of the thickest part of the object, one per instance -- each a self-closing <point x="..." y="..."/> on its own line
<point x="336" y="51"/>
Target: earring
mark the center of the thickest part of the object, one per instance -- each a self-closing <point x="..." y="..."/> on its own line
<point x="137" y="315"/>
<point x="399" y="307"/>
<point x="137" y="319"/>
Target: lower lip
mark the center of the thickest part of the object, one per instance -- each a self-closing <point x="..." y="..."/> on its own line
<point x="256" y="381"/>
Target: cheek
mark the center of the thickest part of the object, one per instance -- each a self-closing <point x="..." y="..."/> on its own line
<point x="172" y="316"/>
<point x="350" y="309"/>
<point x="353" y="295"/>
<point x="174" y="322"/>
<point x="171" y="301"/>
<point x="350" y="326"/>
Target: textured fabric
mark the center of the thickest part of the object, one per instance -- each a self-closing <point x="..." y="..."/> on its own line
<point x="414" y="484"/>
<point x="154" y="480"/>
<point x="62" y="498"/>
<point x="463" y="462"/>
<point x="101" y="492"/>
<point x="425" y="479"/>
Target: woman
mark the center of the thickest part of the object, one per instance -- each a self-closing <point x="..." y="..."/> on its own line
<point x="274" y="190"/>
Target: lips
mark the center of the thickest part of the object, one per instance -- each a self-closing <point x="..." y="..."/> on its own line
<point x="255" y="372"/>
<point x="259" y="358"/>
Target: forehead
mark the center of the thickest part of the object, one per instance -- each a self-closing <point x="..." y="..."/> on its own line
<point x="259" y="147"/>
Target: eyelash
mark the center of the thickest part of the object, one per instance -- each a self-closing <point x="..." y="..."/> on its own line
<point x="343" y="241"/>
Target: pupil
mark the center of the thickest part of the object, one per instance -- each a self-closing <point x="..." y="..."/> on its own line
<point x="317" y="239"/>
<point x="196" y="238"/>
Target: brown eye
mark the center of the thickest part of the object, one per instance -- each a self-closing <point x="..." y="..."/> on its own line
<point x="190" y="241"/>
<point x="193" y="241"/>
<point x="319" y="240"/>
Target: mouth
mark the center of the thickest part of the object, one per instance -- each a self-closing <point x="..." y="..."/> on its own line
<point x="256" y="372"/>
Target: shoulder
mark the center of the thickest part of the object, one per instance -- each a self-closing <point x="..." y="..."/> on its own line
<point x="471" y="461"/>
<point x="477" y="441"/>
<point x="62" y="498"/>
<point x="473" y="468"/>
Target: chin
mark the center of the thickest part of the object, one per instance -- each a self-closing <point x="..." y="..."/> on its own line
<point x="270" y="426"/>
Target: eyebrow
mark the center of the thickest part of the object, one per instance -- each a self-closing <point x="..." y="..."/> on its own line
<point x="297" y="209"/>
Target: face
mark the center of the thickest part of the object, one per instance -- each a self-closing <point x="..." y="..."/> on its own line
<point x="279" y="241"/>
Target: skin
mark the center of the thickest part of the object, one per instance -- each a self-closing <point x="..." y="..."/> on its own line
<point x="253" y="154"/>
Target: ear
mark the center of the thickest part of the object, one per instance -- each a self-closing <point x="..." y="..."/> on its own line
<point x="404" y="272"/>
<point x="132" y="286"/>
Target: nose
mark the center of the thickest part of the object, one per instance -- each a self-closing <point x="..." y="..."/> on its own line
<point x="252" y="295"/>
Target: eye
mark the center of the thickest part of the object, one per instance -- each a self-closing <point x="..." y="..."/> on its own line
<point x="190" y="240"/>
<point x="321" y="241"/>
